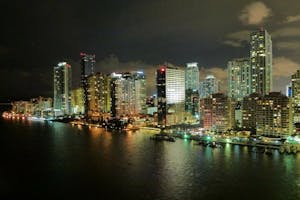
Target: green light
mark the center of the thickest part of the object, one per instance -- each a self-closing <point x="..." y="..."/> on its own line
<point x="228" y="140"/>
<point x="208" y="138"/>
<point x="185" y="136"/>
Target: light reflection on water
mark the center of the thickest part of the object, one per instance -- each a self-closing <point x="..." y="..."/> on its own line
<point x="69" y="158"/>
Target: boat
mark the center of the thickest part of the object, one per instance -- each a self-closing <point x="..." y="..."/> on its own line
<point x="268" y="151"/>
<point x="213" y="145"/>
<point x="202" y="143"/>
<point x="162" y="137"/>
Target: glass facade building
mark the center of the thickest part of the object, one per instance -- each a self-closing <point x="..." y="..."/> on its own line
<point x="170" y="84"/>
<point x="62" y="89"/>
<point x="261" y="62"/>
<point x="87" y="68"/>
<point x="239" y="78"/>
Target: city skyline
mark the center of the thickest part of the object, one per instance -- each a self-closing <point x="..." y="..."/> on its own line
<point x="27" y="57"/>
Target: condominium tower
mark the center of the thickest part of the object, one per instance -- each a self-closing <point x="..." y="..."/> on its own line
<point x="62" y="89"/>
<point x="261" y="62"/>
<point x="239" y="78"/>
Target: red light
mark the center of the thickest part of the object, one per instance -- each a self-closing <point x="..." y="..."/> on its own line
<point x="162" y="69"/>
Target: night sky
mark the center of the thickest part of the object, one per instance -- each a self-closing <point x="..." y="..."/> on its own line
<point x="129" y="34"/>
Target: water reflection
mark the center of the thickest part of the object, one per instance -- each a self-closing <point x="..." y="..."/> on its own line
<point x="130" y="165"/>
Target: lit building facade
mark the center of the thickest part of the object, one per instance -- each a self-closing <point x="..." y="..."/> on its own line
<point x="170" y="84"/>
<point x="98" y="95"/>
<point x="87" y="68"/>
<point x="128" y="94"/>
<point x="261" y="62"/>
<point x="22" y="107"/>
<point x="295" y="93"/>
<point x="77" y="101"/>
<point x="217" y="113"/>
<point x="192" y="76"/>
<point x="139" y="79"/>
<point x="239" y="78"/>
<point x="192" y="88"/>
<point x="209" y="86"/>
<point x="42" y="107"/>
<point x="62" y="89"/>
<point x="267" y="114"/>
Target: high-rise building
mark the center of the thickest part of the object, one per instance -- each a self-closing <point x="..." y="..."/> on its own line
<point x="209" y="86"/>
<point x="77" y="101"/>
<point x="296" y="96"/>
<point x="170" y="84"/>
<point x="217" y="114"/>
<point x="267" y="114"/>
<point x="261" y="62"/>
<point x="140" y="91"/>
<point x="192" y="88"/>
<point x="128" y="94"/>
<point x="98" y="94"/>
<point x="192" y="76"/>
<point x="62" y="89"/>
<point x="87" y="68"/>
<point x="239" y="78"/>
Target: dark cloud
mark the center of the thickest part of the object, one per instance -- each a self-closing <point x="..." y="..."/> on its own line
<point x="36" y="35"/>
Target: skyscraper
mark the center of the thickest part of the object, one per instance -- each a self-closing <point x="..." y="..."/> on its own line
<point x="62" y="89"/>
<point x="170" y="84"/>
<point x="239" y="78"/>
<point x="192" y="76"/>
<point x="128" y="94"/>
<point x="87" y="68"/>
<point x="209" y="86"/>
<point x="98" y="95"/>
<point x="261" y="62"/>
<point x="192" y="88"/>
<point x="296" y="96"/>
<point x="140" y="91"/>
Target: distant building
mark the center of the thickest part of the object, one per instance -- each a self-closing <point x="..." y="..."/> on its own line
<point x="261" y="62"/>
<point x="77" y="101"/>
<point x="192" y="76"/>
<point x="42" y="107"/>
<point x="239" y="78"/>
<point x="268" y="114"/>
<point x="289" y="90"/>
<point x="87" y="68"/>
<point x="296" y="96"/>
<point x="62" y="89"/>
<point x="37" y="107"/>
<point x="170" y="83"/>
<point x="192" y="102"/>
<point x="128" y="94"/>
<point x="98" y="95"/>
<point x="22" y="107"/>
<point x="192" y="88"/>
<point x="209" y="86"/>
<point x="217" y="114"/>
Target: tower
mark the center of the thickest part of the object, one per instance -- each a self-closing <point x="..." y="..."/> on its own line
<point x="62" y="89"/>
<point x="87" y="68"/>
<point x="239" y="78"/>
<point x="170" y="84"/>
<point x="261" y="62"/>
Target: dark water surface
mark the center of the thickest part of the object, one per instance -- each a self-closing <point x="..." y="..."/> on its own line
<point x="55" y="160"/>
